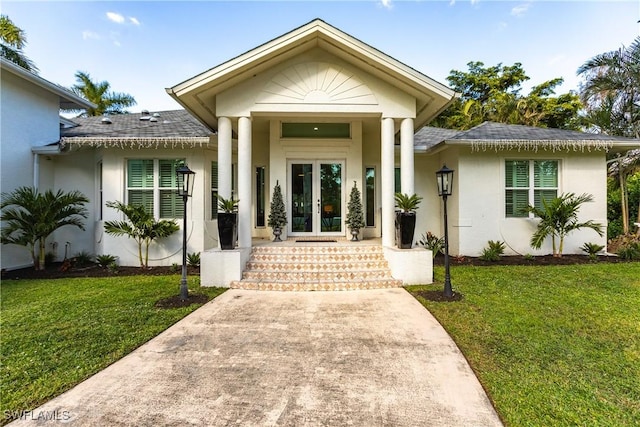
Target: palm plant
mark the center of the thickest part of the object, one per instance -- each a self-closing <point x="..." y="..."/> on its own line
<point x="12" y="41"/>
<point x="407" y="203"/>
<point x="558" y="218"/>
<point x="615" y="76"/>
<point x="98" y="92"/>
<point x="30" y="217"/>
<point x="141" y="226"/>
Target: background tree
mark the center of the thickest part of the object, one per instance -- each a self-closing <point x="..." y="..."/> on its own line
<point x="493" y="94"/>
<point x="612" y="84"/>
<point x="29" y="217"/>
<point x="12" y="41"/>
<point x="141" y="226"/>
<point x="611" y="94"/>
<point x="558" y="218"/>
<point x="98" y="93"/>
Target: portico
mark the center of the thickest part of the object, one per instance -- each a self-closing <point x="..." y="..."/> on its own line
<point x="316" y="110"/>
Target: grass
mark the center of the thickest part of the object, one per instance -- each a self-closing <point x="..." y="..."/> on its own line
<point x="553" y="345"/>
<point x="56" y="333"/>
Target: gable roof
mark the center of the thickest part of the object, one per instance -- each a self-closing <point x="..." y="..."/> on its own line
<point x="198" y="94"/>
<point x="68" y="100"/>
<point x="501" y="136"/>
<point x="139" y="130"/>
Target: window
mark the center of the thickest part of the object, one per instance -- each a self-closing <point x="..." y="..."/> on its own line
<point x="397" y="182"/>
<point x="100" y="192"/>
<point x="370" y="196"/>
<point x="260" y="196"/>
<point x="529" y="182"/>
<point x="316" y="130"/>
<point x="152" y="183"/>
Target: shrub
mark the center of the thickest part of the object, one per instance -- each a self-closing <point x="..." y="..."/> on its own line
<point x="193" y="259"/>
<point x="104" y="261"/>
<point x="432" y="242"/>
<point x="83" y="258"/>
<point x="628" y="246"/>
<point x="493" y="251"/>
<point x="592" y="249"/>
<point x="174" y="268"/>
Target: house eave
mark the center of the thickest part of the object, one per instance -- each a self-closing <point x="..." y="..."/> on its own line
<point x="431" y="96"/>
<point x="533" y="145"/>
<point x="136" y="143"/>
<point x="68" y="100"/>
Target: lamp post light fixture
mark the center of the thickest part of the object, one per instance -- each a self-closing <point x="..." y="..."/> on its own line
<point x="185" y="180"/>
<point x="444" y="177"/>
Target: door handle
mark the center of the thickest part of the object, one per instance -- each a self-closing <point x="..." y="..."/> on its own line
<point x="318" y="205"/>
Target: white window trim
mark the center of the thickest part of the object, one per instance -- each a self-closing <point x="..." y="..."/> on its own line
<point x="156" y="184"/>
<point x="531" y="188"/>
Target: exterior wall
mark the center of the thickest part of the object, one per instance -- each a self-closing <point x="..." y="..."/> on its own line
<point x="429" y="214"/>
<point x="29" y="119"/>
<point x="481" y="214"/>
<point x="202" y="231"/>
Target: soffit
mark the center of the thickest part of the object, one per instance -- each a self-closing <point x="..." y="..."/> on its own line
<point x="198" y="93"/>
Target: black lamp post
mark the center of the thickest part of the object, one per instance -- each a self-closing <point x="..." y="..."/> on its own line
<point x="444" y="177"/>
<point x="185" y="189"/>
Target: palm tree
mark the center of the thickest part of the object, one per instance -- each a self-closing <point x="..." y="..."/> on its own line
<point x="615" y="76"/>
<point x="98" y="92"/>
<point x="12" y="41"/>
<point x="141" y="226"/>
<point x="30" y="217"/>
<point x="558" y="218"/>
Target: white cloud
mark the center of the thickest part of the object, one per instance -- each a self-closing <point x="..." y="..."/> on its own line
<point x="557" y="59"/>
<point x="386" y="4"/>
<point x="520" y="10"/>
<point x="115" y="17"/>
<point x="88" y="35"/>
<point x="134" y="20"/>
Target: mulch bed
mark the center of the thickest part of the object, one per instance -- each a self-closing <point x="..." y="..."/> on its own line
<point x="55" y="271"/>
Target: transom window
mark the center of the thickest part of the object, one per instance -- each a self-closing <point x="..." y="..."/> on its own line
<point x="529" y="182"/>
<point x="152" y="183"/>
<point x="316" y="130"/>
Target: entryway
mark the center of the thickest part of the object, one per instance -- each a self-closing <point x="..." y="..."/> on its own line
<point x="316" y="197"/>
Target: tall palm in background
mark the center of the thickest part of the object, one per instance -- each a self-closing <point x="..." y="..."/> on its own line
<point x="12" y="41"/>
<point x="612" y="81"/>
<point x="611" y="94"/>
<point x="107" y="102"/>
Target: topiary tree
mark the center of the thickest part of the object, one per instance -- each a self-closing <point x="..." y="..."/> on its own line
<point x="355" y="216"/>
<point x="278" y="214"/>
<point x="558" y="218"/>
<point x="29" y="217"/>
<point x="141" y="226"/>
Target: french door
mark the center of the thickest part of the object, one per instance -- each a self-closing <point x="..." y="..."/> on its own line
<point x="316" y="195"/>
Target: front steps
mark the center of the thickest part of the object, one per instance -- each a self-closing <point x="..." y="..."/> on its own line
<point x="316" y="267"/>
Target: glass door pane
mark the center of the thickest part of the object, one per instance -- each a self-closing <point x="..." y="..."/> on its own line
<point x="301" y="197"/>
<point x="331" y="197"/>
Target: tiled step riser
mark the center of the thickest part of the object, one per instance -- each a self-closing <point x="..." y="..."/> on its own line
<point x="318" y="286"/>
<point x="316" y="258"/>
<point x="315" y="267"/>
<point x="318" y="250"/>
<point x="315" y="275"/>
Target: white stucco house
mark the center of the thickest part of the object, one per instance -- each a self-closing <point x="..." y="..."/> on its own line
<point x="30" y="126"/>
<point x="317" y="110"/>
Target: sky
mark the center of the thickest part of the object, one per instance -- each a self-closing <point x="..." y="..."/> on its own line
<point x="143" y="47"/>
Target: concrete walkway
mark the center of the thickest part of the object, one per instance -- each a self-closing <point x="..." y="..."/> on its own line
<point x="251" y="358"/>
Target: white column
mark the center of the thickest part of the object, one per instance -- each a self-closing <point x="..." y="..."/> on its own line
<point x="224" y="157"/>
<point x="244" y="182"/>
<point x="407" y="172"/>
<point x="387" y="182"/>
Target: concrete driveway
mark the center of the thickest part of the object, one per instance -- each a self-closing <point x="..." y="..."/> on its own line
<point x="251" y="358"/>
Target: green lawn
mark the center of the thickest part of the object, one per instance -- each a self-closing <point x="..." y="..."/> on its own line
<point x="56" y="333"/>
<point x="553" y="345"/>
